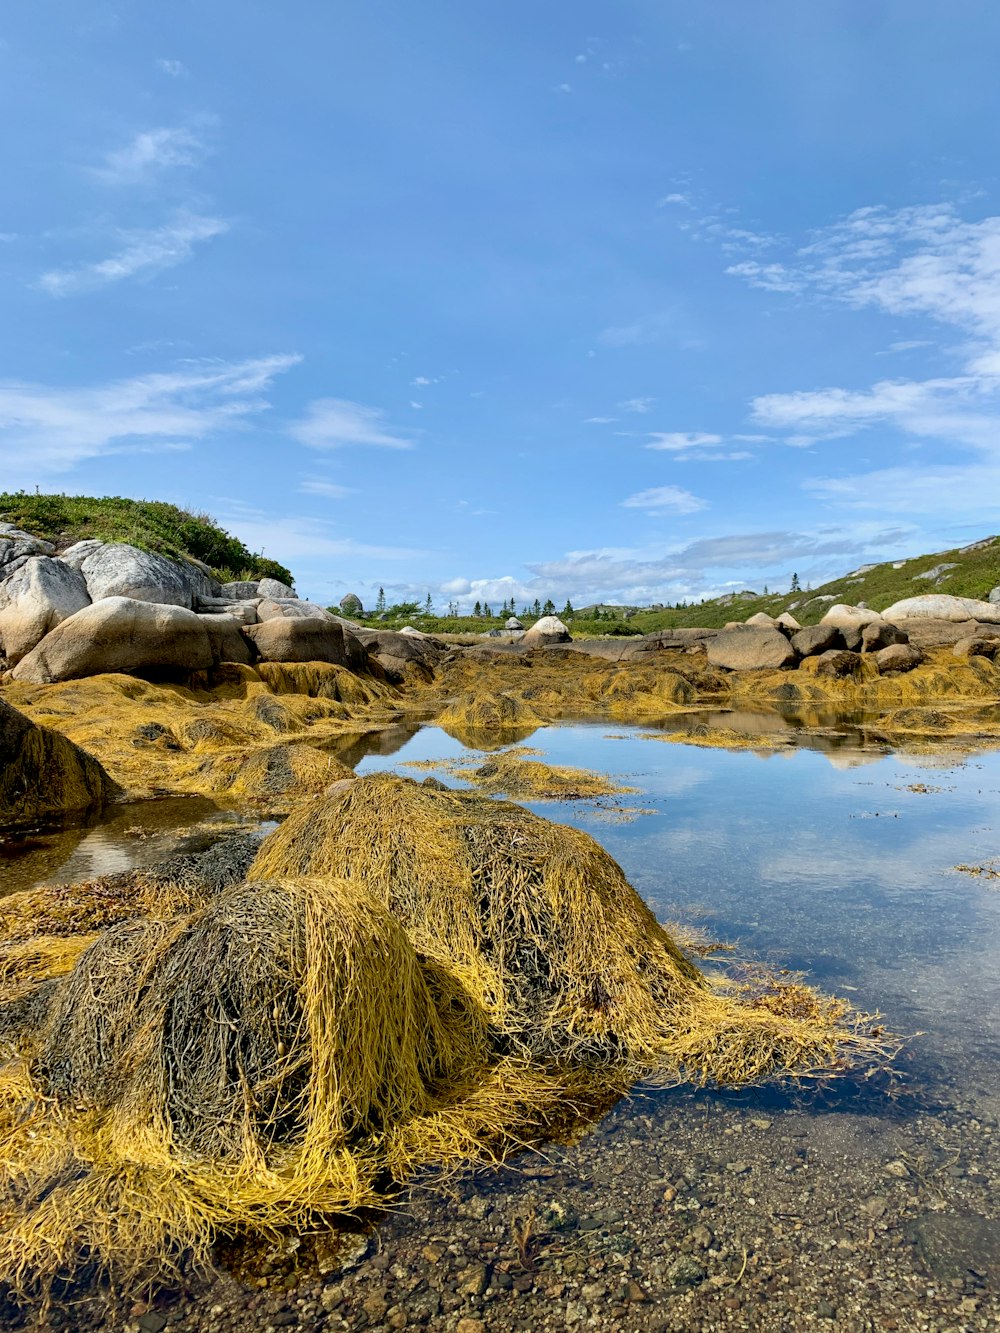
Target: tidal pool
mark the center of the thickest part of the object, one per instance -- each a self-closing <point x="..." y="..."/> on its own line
<point x="843" y="1206"/>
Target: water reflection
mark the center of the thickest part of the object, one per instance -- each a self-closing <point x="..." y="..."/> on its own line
<point x="845" y="874"/>
<point x="139" y="833"/>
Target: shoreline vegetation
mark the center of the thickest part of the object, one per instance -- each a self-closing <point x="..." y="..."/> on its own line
<point x="403" y="977"/>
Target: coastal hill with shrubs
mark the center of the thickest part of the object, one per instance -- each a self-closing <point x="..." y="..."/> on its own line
<point x="966" y="571"/>
<point x="151" y="525"/>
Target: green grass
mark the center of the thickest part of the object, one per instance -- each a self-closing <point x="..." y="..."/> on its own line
<point x="149" y="524"/>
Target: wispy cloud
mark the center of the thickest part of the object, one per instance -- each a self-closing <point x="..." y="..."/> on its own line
<point x="598" y="421"/>
<point x="681" y="441"/>
<point x="143" y="254"/>
<point x="172" y="68"/>
<point x="335" y="423"/>
<point x="46" y="430"/>
<point x="639" y="405"/>
<point x="150" y="152"/>
<point x="319" y="486"/>
<point x="304" y="540"/>
<point x="665" y="499"/>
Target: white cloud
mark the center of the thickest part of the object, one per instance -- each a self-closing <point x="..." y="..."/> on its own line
<point x="673" y="199"/>
<point x="173" y="68"/>
<point x="334" y="423"/>
<point x="969" y="492"/>
<point x="564" y="88"/>
<point x="639" y="405"/>
<point x="598" y="421"/>
<point x="319" y="486"/>
<point x="46" y="430"/>
<point x="417" y="407"/>
<point x="150" y="152"/>
<point x="682" y="441"/>
<point x="660" y="499"/>
<point x="924" y="262"/>
<point x="143" y="254"/>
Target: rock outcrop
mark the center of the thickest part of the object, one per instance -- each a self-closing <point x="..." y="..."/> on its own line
<point x="119" y="634"/>
<point x="274" y="589"/>
<point x="942" y="606"/>
<point x="16" y="547"/>
<point x="816" y="639"/>
<point x="843" y="617"/>
<point x="119" y="570"/>
<point x="42" y="774"/>
<point x="37" y="597"/>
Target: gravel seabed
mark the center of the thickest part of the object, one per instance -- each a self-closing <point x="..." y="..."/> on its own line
<point x="687" y="1212"/>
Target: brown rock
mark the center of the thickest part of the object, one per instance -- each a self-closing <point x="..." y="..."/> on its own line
<point x="816" y="639"/>
<point x="879" y="635"/>
<point x="118" y="634"/>
<point x="290" y="639"/>
<point x="975" y="645"/>
<point x="898" y="657"/>
<point x="751" y="648"/>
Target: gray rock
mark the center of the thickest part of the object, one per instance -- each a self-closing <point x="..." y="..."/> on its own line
<point x="751" y="648"/>
<point x="816" y="639"/>
<point x="275" y="589"/>
<point x="296" y="639"/>
<point x="685" y="1272"/>
<point x="35" y="599"/>
<point x="838" y="663"/>
<point x="118" y="634"/>
<point x="16" y="547"/>
<point x="119" y="570"/>
<point x="897" y="658"/>
<point x="787" y="621"/>
<point x="291" y="608"/>
<point x="351" y="605"/>
<point x="549" y="629"/>
<point x="75" y="555"/>
<point x="239" y="592"/>
<point x="994" y="597"/>
<point x="937" y="572"/>
<point x="513" y="623"/>
<point x="761" y="618"/>
<point x="228" y="642"/>
<point x="881" y="635"/>
<point x="941" y="606"/>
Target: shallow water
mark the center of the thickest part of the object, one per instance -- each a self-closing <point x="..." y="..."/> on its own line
<point x="121" y="838"/>
<point x="839" y="864"/>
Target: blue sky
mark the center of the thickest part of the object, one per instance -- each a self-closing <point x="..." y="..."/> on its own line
<point x="636" y="301"/>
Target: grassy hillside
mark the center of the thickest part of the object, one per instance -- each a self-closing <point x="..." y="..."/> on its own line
<point x="149" y="524"/>
<point x="975" y="572"/>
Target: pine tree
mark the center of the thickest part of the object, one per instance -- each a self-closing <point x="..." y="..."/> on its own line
<point x="567" y="611"/>
<point x="477" y="610"/>
<point x="796" y="586"/>
<point x="537" y="608"/>
<point x="486" y="610"/>
<point x="549" y="609"/>
<point x="380" y="602"/>
<point x="428" y="606"/>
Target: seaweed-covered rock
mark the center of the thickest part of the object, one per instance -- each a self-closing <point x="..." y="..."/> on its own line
<point x="36" y="598"/>
<point x="838" y="663"/>
<point x="42" y="774"/>
<point x="118" y="634"/>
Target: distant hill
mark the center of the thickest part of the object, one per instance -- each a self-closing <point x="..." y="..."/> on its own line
<point x="966" y="571"/>
<point x="149" y="524"/>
